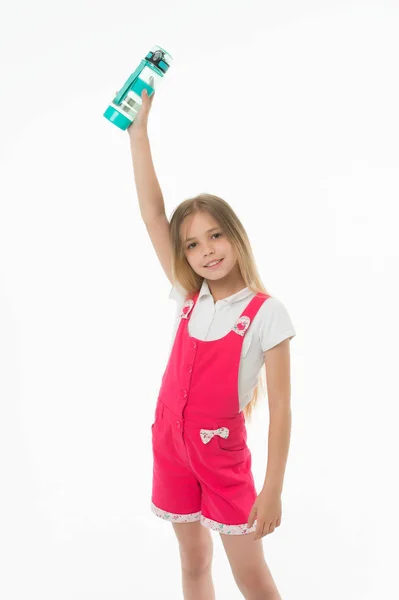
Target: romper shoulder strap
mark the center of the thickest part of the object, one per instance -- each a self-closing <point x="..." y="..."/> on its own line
<point x="189" y="304"/>
<point x="249" y="313"/>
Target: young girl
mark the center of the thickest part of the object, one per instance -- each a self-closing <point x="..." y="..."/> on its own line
<point x="227" y="328"/>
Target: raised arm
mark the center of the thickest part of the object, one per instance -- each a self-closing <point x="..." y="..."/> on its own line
<point x="151" y="203"/>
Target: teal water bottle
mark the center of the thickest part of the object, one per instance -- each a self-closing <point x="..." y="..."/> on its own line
<point x="127" y="102"/>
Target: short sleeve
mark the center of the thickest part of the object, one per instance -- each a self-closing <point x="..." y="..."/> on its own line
<point x="276" y="324"/>
<point x="177" y="292"/>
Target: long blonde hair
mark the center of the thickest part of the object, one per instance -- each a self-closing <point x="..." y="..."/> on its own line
<point x="182" y="272"/>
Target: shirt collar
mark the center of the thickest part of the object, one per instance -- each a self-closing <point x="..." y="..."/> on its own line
<point x="240" y="295"/>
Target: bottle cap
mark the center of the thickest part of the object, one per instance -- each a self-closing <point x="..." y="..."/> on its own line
<point x="159" y="58"/>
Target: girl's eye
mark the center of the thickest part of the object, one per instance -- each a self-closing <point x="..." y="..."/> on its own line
<point x="188" y="247"/>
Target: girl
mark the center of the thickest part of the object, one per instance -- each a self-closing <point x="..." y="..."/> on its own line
<point x="227" y="328"/>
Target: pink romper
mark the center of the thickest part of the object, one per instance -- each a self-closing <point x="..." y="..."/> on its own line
<point x="201" y="461"/>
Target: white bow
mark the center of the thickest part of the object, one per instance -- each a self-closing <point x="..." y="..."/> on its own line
<point x="207" y="434"/>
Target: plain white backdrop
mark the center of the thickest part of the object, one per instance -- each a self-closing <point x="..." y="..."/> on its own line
<point x="289" y="111"/>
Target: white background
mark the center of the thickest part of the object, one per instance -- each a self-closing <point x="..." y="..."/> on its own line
<point x="289" y="111"/>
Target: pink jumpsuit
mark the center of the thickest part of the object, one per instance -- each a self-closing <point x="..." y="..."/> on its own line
<point x="201" y="461"/>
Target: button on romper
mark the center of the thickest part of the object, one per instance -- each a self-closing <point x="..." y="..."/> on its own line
<point x="201" y="461"/>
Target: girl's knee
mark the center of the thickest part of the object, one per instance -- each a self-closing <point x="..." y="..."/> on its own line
<point x="195" y="547"/>
<point x="196" y="559"/>
<point x="257" y="583"/>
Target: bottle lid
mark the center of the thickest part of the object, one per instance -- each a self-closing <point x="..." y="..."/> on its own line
<point x="160" y="58"/>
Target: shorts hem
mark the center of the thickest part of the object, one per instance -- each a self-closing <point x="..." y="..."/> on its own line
<point x="175" y="517"/>
<point x="242" y="529"/>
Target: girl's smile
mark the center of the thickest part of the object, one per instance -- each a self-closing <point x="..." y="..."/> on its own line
<point x="214" y="266"/>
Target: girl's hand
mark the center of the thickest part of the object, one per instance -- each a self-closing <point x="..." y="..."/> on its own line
<point x="141" y="120"/>
<point x="267" y="511"/>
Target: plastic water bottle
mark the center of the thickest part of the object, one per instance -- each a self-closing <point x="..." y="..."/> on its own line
<point x="127" y="102"/>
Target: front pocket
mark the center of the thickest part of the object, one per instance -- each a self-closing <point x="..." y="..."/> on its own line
<point x="235" y="442"/>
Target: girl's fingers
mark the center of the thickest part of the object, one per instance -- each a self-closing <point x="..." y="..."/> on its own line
<point x="145" y="95"/>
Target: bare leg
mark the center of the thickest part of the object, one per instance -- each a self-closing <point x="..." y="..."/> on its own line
<point x="196" y="552"/>
<point x="249" y="567"/>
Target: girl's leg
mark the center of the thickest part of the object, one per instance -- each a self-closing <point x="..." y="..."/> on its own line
<point x="249" y="567"/>
<point x="196" y="552"/>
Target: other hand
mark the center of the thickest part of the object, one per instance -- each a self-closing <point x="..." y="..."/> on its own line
<point x="267" y="512"/>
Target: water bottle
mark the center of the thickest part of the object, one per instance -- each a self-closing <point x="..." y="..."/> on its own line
<point x="127" y="102"/>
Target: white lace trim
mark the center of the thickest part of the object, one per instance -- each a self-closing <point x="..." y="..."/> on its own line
<point x="173" y="517"/>
<point x="227" y="529"/>
<point x="209" y="523"/>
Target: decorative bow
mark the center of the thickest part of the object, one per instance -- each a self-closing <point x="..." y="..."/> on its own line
<point x="207" y="434"/>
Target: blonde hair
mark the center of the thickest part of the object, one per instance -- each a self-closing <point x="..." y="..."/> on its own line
<point x="182" y="272"/>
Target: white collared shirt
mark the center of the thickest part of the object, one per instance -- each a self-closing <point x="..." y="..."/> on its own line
<point x="212" y="320"/>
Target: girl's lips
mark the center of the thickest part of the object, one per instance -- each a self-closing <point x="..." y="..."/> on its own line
<point x="214" y="266"/>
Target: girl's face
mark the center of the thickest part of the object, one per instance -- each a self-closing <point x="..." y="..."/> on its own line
<point x="207" y="246"/>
